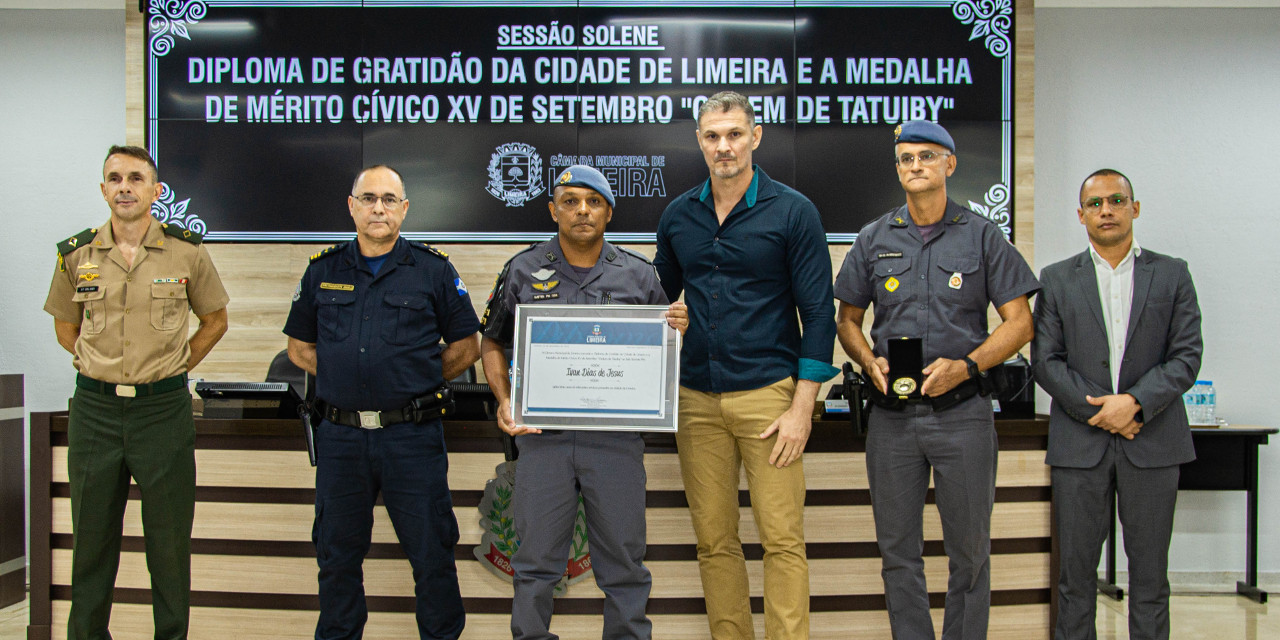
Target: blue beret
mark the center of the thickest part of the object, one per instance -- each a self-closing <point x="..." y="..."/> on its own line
<point x="923" y="131"/>
<point x="580" y="175"/>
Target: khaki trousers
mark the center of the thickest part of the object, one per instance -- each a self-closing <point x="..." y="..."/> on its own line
<point x="719" y="433"/>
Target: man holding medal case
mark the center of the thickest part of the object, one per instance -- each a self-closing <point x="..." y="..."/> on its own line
<point x="932" y="268"/>
<point x="577" y="266"/>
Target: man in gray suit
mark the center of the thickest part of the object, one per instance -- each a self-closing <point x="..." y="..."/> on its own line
<point x="1117" y="343"/>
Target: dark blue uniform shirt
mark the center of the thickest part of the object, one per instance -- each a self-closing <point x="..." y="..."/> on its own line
<point x="378" y="337"/>
<point x="744" y="282"/>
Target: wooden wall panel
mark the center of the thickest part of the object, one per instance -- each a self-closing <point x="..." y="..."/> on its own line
<point x="288" y="469"/>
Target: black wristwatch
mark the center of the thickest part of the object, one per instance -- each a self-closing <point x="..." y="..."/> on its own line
<point x="974" y="373"/>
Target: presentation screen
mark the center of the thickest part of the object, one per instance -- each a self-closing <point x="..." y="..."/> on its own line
<point x="261" y="113"/>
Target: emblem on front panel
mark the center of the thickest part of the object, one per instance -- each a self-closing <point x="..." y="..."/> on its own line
<point x="515" y="173"/>
<point x="499" y="540"/>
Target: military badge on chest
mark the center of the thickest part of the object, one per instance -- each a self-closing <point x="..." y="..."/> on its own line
<point x="545" y="289"/>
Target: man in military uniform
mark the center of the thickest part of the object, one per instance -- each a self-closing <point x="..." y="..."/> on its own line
<point x="367" y="320"/>
<point x="932" y="268"/>
<point x="119" y="300"/>
<point x="607" y="468"/>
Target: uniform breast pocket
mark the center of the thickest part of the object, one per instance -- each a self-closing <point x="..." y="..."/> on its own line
<point x="409" y="320"/>
<point x="94" y="305"/>
<point x="959" y="281"/>
<point x="168" y="305"/>
<point x="334" y="311"/>
<point x="893" y="281"/>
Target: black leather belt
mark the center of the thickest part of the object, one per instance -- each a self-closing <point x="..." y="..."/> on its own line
<point x="364" y="419"/>
<point x="955" y="396"/>
<point x="131" y="390"/>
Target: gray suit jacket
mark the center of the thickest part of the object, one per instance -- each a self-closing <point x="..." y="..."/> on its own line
<point x="1070" y="359"/>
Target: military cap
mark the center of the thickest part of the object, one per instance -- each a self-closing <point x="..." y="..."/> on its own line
<point x="923" y="131"/>
<point x="580" y="175"/>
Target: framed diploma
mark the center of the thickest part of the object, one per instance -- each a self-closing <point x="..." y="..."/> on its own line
<point x="596" y="367"/>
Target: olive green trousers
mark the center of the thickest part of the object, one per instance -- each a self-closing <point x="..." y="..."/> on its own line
<point x="151" y="439"/>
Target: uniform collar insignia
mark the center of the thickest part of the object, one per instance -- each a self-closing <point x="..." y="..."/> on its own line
<point x="543" y="274"/>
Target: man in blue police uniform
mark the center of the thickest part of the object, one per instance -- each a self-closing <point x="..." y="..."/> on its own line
<point x="1117" y="344"/>
<point x="367" y="320"/>
<point x="932" y="268"/>
<point x="607" y="468"/>
<point x="751" y="256"/>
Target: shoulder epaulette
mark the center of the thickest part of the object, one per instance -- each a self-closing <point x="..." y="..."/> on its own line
<point x="327" y="251"/>
<point x="75" y="242"/>
<point x="429" y="249"/>
<point x="518" y="254"/>
<point x="182" y="234"/>
<point x="501" y="280"/>
<point x="637" y="254"/>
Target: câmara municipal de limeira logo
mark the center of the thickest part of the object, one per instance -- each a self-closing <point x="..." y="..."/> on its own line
<point x="515" y="173"/>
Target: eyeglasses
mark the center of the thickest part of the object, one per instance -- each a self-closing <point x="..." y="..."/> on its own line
<point x="368" y="199"/>
<point x="1116" y="200"/>
<point x="927" y="158"/>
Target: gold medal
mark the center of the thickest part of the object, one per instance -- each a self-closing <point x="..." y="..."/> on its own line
<point x="904" y="386"/>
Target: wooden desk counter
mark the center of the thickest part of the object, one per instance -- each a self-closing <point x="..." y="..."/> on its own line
<point x="254" y="571"/>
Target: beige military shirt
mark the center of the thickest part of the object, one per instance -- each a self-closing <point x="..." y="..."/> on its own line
<point x="133" y="320"/>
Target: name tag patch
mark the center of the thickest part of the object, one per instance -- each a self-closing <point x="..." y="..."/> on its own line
<point x="337" y="287"/>
<point x="890" y="254"/>
<point x="545" y="296"/>
<point x="87" y="289"/>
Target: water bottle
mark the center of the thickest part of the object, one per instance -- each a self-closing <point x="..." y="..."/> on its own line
<point x="1195" y="400"/>
<point x="1210" y="411"/>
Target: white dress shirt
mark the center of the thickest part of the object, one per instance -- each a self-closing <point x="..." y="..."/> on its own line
<point x="1115" y="292"/>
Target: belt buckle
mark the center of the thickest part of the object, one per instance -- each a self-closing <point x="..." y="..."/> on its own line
<point x="370" y="419"/>
<point x="126" y="391"/>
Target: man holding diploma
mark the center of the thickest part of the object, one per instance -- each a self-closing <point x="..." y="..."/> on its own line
<point x="577" y="266"/>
